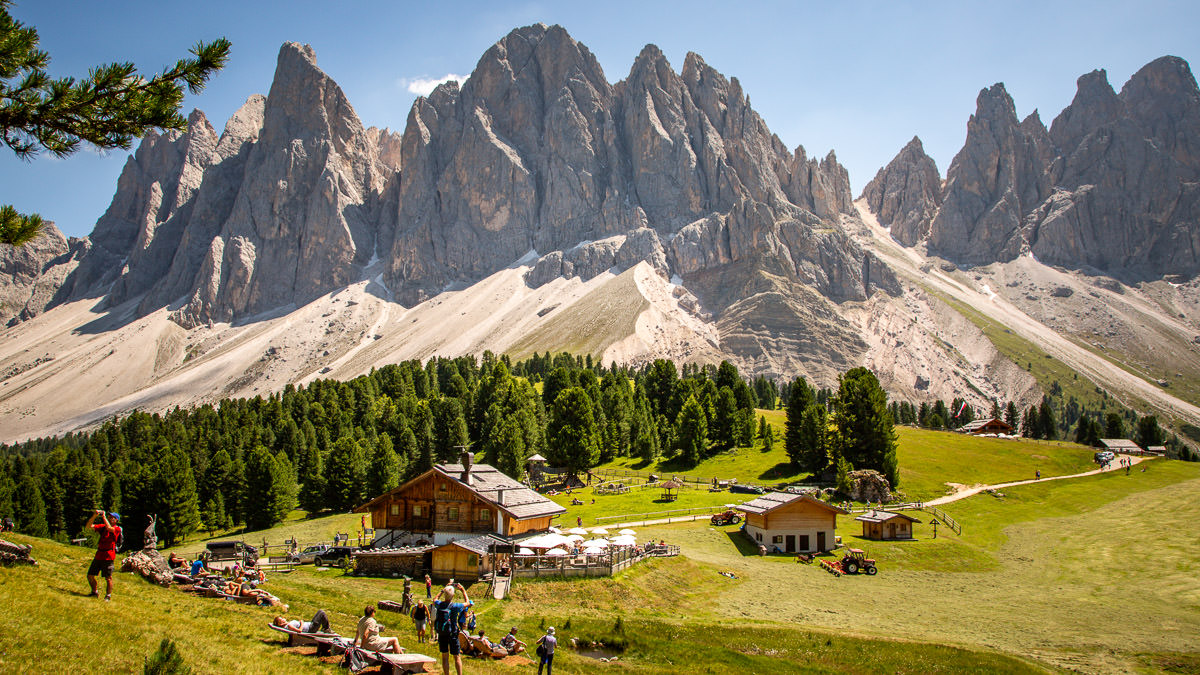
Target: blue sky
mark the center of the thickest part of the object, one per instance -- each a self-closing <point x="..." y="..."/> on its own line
<point x="860" y="78"/>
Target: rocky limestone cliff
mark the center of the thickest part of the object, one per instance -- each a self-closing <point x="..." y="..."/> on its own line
<point x="1113" y="185"/>
<point x="906" y="193"/>
<point x="30" y="275"/>
<point x="535" y="158"/>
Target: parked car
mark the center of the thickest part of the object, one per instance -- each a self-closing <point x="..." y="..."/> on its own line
<point x="1104" y="457"/>
<point x="309" y="554"/>
<point x="747" y="489"/>
<point x="235" y="551"/>
<point x="336" y="556"/>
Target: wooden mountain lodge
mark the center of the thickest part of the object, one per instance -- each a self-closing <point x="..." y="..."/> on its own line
<point x="988" y="426"/>
<point x="791" y="523"/>
<point x="457" y="501"/>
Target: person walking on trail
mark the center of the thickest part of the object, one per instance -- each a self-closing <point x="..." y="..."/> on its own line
<point x="448" y="615"/>
<point x="1038" y="474"/>
<point x="106" y="550"/>
<point x="545" y="650"/>
<point x="428" y="588"/>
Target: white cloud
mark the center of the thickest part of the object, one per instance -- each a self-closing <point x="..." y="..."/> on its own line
<point x="422" y="86"/>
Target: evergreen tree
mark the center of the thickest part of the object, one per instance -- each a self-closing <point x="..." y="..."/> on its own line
<point x="29" y="509"/>
<point x="449" y="428"/>
<point x="213" y="516"/>
<point x="843" y="476"/>
<point x="812" y="430"/>
<point x="311" y="472"/>
<point x="1088" y="431"/>
<point x="572" y="435"/>
<point x="107" y="109"/>
<point x="725" y="419"/>
<point x="174" y="500"/>
<point x="266" y="498"/>
<point x="110" y="493"/>
<point x="509" y="446"/>
<point x="166" y="661"/>
<point x="383" y="472"/>
<point x="768" y="437"/>
<point x="1114" y="426"/>
<point x="345" y="474"/>
<point x="691" y="433"/>
<point x="866" y="435"/>
<point x="1047" y="426"/>
<point x="800" y="397"/>
<point x="1148" y="432"/>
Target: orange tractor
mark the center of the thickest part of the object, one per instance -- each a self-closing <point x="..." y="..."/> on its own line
<point x="856" y="561"/>
<point x="726" y="517"/>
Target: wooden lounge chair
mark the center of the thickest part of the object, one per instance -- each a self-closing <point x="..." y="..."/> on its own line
<point x="298" y="638"/>
<point x="397" y="663"/>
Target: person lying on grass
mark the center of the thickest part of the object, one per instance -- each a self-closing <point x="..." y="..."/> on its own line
<point x="511" y="643"/>
<point x="319" y="623"/>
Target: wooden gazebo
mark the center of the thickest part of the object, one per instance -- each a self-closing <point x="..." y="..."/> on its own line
<point x="670" y="491"/>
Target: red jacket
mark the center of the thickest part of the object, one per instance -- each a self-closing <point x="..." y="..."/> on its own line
<point x="107" y="548"/>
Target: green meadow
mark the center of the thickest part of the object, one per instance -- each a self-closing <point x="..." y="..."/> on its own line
<point x="1094" y="574"/>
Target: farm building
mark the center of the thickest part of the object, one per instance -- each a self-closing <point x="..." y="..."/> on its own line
<point x="463" y="559"/>
<point x="988" y="426"/>
<point x="790" y="522"/>
<point x="457" y="501"/>
<point x="887" y="525"/>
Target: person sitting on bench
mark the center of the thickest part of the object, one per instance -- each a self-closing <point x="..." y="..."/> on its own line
<point x="319" y="623"/>
<point x="368" y="638"/>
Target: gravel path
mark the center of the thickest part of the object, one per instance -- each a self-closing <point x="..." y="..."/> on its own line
<point x="971" y="491"/>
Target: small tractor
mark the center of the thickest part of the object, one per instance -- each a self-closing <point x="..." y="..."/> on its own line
<point x="856" y="561"/>
<point x="726" y="517"/>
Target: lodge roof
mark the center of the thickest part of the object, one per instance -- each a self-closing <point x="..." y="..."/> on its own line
<point x="1120" y="444"/>
<point x="476" y="544"/>
<point x="773" y="500"/>
<point x="971" y="427"/>
<point x="490" y="485"/>
<point x="878" y="516"/>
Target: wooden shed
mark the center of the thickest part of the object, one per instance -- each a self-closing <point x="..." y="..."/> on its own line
<point x="791" y="523"/>
<point x="463" y="559"/>
<point x="885" y="525"/>
<point x="457" y="501"/>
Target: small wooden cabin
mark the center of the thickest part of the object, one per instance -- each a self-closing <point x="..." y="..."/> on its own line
<point x="463" y="559"/>
<point x="988" y="426"/>
<point x="458" y="501"/>
<point x="791" y="523"/>
<point x="885" y="525"/>
<point x="1121" y="446"/>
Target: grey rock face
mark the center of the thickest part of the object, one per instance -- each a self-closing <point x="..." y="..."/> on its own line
<point x="906" y="193"/>
<point x="536" y="151"/>
<point x="993" y="181"/>
<point x="1113" y="185"/>
<point x="30" y="275"/>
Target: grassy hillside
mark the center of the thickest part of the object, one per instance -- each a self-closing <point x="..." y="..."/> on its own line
<point x="928" y="460"/>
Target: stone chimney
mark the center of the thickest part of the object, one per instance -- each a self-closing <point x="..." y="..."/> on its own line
<point x="464" y="458"/>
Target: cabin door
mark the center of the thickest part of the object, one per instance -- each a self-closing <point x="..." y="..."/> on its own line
<point x="821" y="541"/>
<point x="891" y="530"/>
<point x="789" y="543"/>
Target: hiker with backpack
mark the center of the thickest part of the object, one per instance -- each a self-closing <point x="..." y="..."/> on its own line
<point x="545" y="651"/>
<point x="447" y="616"/>
<point x="111" y="539"/>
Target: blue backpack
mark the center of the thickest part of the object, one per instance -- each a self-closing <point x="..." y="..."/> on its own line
<point x="448" y="614"/>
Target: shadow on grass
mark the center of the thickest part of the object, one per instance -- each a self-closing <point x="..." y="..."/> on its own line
<point x="744" y="546"/>
<point x="781" y="470"/>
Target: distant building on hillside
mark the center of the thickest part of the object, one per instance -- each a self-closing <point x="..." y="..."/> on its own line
<point x="1121" y="446"/>
<point x="988" y="426"/>
<point x="884" y="525"/>
<point x="790" y="522"/>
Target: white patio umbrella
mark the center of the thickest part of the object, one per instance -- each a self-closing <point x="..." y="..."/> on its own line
<point x="624" y="540"/>
<point x="576" y="537"/>
<point x="577" y="530"/>
<point x="525" y="551"/>
<point x="599" y="530"/>
<point x="598" y="543"/>
<point x="551" y="540"/>
<point x="626" y="531"/>
<point x="556" y="552"/>
<point x="555" y="530"/>
<point x="536" y="542"/>
<point x="591" y="550"/>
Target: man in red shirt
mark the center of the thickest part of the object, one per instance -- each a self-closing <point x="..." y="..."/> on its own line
<point x="106" y="550"/>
